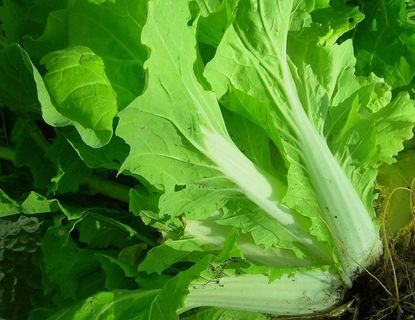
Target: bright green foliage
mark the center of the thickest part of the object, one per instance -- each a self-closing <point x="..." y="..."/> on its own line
<point x="81" y="92"/>
<point x="201" y="159"/>
<point x="7" y="205"/>
<point x="102" y="28"/>
<point x="390" y="51"/>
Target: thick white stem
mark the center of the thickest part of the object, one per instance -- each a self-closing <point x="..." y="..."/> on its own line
<point x="303" y="292"/>
<point x="354" y="232"/>
<point x="258" y="188"/>
<point x="211" y="233"/>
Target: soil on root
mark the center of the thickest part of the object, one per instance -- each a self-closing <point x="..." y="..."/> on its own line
<point x="386" y="291"/>
<point x="389" y="293"/>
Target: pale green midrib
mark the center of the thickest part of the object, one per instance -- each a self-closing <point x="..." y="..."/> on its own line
<point x="350" y="224"/>
<point x="316" y="290"/>
<point x="306" y="91"/>
<point x="305" y="132"/>
<point x="355" y="234"/>
<point x="233" y="163"/>
<point x="352" y="250"/>
<point x="287" y="115"/>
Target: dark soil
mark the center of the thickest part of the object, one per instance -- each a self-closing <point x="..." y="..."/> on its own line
<point x="391" y="295"/>
<point x="386" y="291"/>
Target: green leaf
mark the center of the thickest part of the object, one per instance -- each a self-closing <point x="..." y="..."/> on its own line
<point x="7" y="205"/>
<point x="81" y="92"/>
<point x="163" y="306"/>
<point x="110" y="156"/>
<point x="166" y="160"/>
<point x="144" y="305"/>
<point x="54" y="36"/>
<point x="198" y="200"/>
<point x="65" y="264"/>
<point x="152" y="281"/>
<point x="71" y="171"/>
<point x="254" y="246"/>
<point x="335" y="21"/>
<point x="249" y="218"/>
<point x="36" y="203"/>
<point x="118" y="274"/>
<point x="165" y="255"/>
<point x="384" y="43"/>
<point x="101" y="228"/>
<point x="112" y="30"/>
<point x="165" y="71"/>
<point x="103" y="27"/>
<point x="217" y="313"/>
<point x="30" y="150"/>
<point x="106" y="305"/>
<point x="213" y="21"/>
<point x="28" y="17"/>
<point x="130" y="254"/>
<point x="255" y="144"/>
<point x="17" y="88"/>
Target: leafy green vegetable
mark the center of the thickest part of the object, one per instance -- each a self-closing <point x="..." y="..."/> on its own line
<point x="205" y="159"/>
